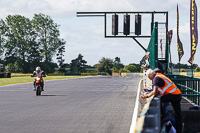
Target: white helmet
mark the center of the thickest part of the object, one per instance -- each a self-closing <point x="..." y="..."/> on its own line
<point x="38" y="69"/>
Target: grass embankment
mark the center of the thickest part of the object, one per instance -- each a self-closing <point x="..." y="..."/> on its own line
<point x="26" y="79"/>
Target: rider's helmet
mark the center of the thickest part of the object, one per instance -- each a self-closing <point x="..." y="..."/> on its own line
<point x="38" y="69"/>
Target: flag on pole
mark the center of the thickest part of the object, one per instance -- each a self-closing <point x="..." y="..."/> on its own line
<point x="193" y="30"/>
<point x="170" y="33"/>
<point x="179" y="43"/>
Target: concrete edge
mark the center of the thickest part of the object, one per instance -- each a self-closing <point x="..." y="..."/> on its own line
<point x="135" y="112"/>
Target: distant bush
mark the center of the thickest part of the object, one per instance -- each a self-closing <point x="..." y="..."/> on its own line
<point x="182" y="70"/>
<point x="89" y="74"/>
<point x="20" y="74"/>
<point x="55" y="74"/>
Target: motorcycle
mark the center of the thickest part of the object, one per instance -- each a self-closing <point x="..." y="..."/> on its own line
<point x="38" y="83"/>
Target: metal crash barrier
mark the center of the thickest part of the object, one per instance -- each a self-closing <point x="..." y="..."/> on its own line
<point x="149" y="119"/>
<point x="189" y="86"/>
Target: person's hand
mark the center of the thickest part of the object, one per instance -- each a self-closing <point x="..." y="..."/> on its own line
<point x="143" y="96"/>
<point x="148" y="54"/>
<point x="144" y="66"/>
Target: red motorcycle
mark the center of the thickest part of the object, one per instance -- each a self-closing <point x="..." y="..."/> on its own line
<point x="38" y="85"/>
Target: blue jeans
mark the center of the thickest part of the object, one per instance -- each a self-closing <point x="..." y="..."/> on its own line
<point x="166" y="114"/>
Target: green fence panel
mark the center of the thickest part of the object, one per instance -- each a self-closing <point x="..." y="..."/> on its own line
<point x="153" y="48"/>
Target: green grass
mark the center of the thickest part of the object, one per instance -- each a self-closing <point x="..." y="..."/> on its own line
<point x="17" y="80"/>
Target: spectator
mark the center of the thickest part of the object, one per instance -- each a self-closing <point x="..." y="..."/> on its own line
<point x="169" y="92"/>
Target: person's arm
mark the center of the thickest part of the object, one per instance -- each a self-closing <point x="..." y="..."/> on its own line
<point x="154" y="92"/>
<point x="33" y="74"/>
<point x="44" y="75"/>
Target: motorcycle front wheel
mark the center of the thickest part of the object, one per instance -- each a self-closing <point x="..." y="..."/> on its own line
<point x="38" y="91"/>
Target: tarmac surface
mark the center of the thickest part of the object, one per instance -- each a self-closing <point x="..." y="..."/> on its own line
<point x="85" y="105"/>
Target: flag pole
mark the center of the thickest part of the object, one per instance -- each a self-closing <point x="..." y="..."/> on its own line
<point x="192" y="70"/>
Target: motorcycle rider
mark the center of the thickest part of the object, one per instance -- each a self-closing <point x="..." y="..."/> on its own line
<point x="40" y="73"/>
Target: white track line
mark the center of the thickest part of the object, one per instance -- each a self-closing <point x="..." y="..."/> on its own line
<point x="135" y="112"/>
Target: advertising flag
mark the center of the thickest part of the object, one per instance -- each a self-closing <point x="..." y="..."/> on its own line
<point x="193" y="30"/>
<point x="179" y="43"/>
<point x="170" y="34"/>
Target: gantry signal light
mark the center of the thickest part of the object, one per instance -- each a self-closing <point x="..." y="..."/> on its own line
<point x="126" y="25"/>
<point x="115" y="24"/>
<point x="138" y="20"/>
<point x="121" y="28"/>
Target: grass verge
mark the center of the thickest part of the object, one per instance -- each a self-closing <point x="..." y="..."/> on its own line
<point x="17" y="80"/>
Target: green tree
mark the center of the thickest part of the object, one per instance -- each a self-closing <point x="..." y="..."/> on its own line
<point x="131" y="68"/>
<point x="29" y="41"/>
<point x="185" y="66"/>
<point x="105" y="65"/>
<point x="115" y="69"/>
<point x="14" y="67"/>
<point x="47" y="35"/>
<point x="117" y="65"/>
<point x="138" y="66"/>
<point x="60" y="54"/>
<point x="20" y="38"/>
<point x="78" y="65"/>
<point x="48" y="67"/>
<point x="117" y="61"/>
<point x="2" y="36"/>
<point x="123" y="70"/>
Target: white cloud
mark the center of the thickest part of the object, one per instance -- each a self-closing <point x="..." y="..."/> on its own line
<point x="61" y="8"/>
<point x="86" y="35"/>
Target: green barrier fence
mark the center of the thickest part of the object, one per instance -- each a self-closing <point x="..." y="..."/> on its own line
<point x="153" y="49"/>
<point x="189" y="86"/>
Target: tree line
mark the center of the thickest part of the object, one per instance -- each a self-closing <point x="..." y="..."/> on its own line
<point x="26" y="43"/>
<point x="184" y="67"/>
<point x="79" y="65"/>
<point x="111" y="66"/>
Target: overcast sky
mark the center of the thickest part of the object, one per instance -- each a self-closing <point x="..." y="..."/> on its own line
<point x="86" y="35"/>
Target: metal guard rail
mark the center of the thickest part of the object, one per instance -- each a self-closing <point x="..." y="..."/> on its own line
<point x="149" y="119"/>
<point x="189" y="86"/>
<point x="190" y="93"/>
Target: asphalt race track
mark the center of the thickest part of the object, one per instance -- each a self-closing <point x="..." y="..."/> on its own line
<point x="86" y="105"/>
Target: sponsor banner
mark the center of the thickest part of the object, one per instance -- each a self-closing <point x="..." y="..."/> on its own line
<point x="170" y="34"/>
<point x="179" y="43"/>
<point x="193" y="30"/>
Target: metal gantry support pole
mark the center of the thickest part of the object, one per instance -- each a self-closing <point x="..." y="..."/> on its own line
<point x="140" y="45"/>
<point x="156" y="44"/>
<point x="167" y="45"/>
<point x="105" y="21"/>
<point x="152" y="22"/>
